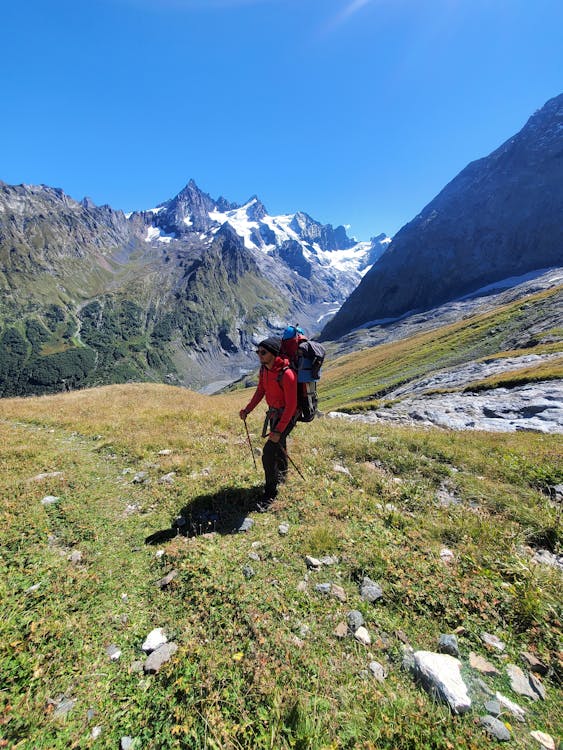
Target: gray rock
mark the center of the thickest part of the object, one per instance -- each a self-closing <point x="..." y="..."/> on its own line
<point x="377" y="670"/>
<point x="355" y="620"/>
<point x="370" y="591"/>
<point x="323" y="588"/>
<point x="493" y="640"/>
<point x="447" y="644"/>
<point x="254" y="556"/>
<point x="159" y="657"/>
<point x="246" y="525"/>
<point x="545" y="557"/>
<point x="312" y="563"/>
<point x="248" y="571"/>
<point x="283" y="529"/>
<point x="440" y="675"/>
<point x="328" y="560"/>
<point x="495" y="728"/>
<point x="493" y="708"/>
<point x="164" y="582"/>
<point x="167" y="478"/>
<point x="63" y="706"/>
<point x="545" y="740"/>
<point x="126" y="743"/>
<point x="140" y="477"/>
<point x="520" y="683"/>
<point x="113" y="652"/>
<point x="538" y="686"/>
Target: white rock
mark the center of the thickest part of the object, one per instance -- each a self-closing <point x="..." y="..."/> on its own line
<point x="96" y="732"/>
<point x="377" y="670"/>
<point x="341" y="469"/>
<point x="50" y="500"/>
<point x="363" y="636"/>
<point x="441" y="673"/>
<point x="312" y="562"/>
<point x="545" y="740"/>
<point x="517" y="711"/>
<point x="165" y="452"/>
<point x="154" y="640"/>
<point x="493" y="640"/>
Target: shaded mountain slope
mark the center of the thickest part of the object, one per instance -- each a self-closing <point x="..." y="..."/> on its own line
<point x="500" y="217"/>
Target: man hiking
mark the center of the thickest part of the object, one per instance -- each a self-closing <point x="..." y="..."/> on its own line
<point x="278" y="383"/>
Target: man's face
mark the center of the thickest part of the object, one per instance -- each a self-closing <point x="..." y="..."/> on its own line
<point x="266" y="357"/>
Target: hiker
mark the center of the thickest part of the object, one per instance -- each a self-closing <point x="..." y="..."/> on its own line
<point x="278" y="383"/>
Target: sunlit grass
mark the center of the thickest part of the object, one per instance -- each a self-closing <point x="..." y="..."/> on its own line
<point x="258" y="665"/>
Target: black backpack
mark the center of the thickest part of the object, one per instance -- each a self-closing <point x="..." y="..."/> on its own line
<point x="306" y="358"/>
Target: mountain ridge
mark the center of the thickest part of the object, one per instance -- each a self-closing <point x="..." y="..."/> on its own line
<point x="499" y="217"/>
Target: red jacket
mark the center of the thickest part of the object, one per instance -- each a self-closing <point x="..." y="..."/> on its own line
<point x="280" y="391"/>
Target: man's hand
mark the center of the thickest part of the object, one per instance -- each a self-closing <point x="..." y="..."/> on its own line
<point x="274" y="436"/>
<point x="242" y="414"/>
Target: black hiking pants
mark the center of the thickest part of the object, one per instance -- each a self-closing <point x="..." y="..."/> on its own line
<point x="275" y="462"/>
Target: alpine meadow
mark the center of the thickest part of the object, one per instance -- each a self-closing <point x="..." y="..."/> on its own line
<point x="266" y="484"/>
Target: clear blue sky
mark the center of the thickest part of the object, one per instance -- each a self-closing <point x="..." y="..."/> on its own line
<point x="355" y="111"/>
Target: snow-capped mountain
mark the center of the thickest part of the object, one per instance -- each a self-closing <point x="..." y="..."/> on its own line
<point x="177" y="293"/>
<point x="306" y="246"/>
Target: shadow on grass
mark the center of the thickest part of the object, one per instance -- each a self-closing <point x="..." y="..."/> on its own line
<point x="223" y="512"/>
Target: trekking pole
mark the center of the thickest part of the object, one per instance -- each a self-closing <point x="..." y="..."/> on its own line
<point x="250" y="443"/>
<point x="286" y="454"/>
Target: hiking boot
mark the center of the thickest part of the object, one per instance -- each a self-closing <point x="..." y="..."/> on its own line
<point x="263" y="505"/>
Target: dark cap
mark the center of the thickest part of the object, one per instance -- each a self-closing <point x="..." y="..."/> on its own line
<point x="271" y="344"/>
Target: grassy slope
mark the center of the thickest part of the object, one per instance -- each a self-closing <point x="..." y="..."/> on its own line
<point x="361" y="380"/>
<point x="244" y="675"/>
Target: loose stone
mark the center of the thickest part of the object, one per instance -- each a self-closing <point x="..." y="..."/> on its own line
<point x="517" y="711"/>
<point x="377" y="670"/>
<point x="545" y="740"/>
<point x="341" y="469"/>
<point x="482" y="665"/>
<point x="162" y="583"/>
<point x="363" y="636"/>
<point x="493" y="708"/>
<point x="355" y="620"/>
<point x="46" y="475"/>
<point x="538" y="686"/>
<point x="63" y="707"/>
<point x="167" y="478"/>
<point x="50" y="500"/>
<point x="520" y="683"/>
<point x="493" y="640"/>
<point x="329" y="560"/>
<point x="154" y="640"/>
<point x="248" y="571"/>
<point x="312" y="563"/>
<point x="254" y="556"/>
<point x="533" y="663"/>
<point x="75" y="557"/>
<point x="447" y="644"/>
<point x="338" y="592"/>
<point x="370" y="591"/>
<point x="158" y="658"/>
<point x="323" y="588"/>
<point x="341" y="630"/>
<point x="126" y="743"/>
<point x="165" y="452"/>
<point x="495" y="728"/>
<point x="246" y="525"/>
<point x="283" y="529"/>
<point x="440" y="674"/>
<point x="96" y="732"/>
<point x="113" y="652"/>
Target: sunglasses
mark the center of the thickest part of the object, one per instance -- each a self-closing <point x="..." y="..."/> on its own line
<point x="261" y="352"/>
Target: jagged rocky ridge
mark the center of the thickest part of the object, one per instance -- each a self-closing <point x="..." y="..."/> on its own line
<point x="500" y="217"/>
<point x="178" y="293"/>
